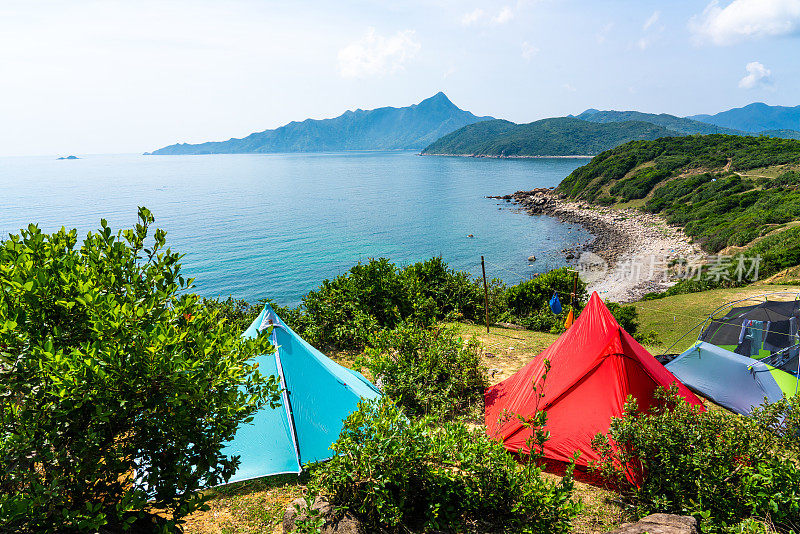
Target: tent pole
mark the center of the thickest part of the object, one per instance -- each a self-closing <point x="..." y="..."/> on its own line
<point x="287" y="403"/>
<point x="797" y="376"/>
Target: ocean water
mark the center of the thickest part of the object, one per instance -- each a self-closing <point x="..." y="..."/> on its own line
<point x="276" y="225"/>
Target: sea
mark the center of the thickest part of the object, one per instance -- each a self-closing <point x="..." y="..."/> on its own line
<point x="275" y="226"/>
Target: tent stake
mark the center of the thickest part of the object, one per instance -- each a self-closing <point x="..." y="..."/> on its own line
<point x="485" y="295"/>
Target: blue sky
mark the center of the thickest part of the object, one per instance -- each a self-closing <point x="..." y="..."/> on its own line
<point x="118" y="76"/>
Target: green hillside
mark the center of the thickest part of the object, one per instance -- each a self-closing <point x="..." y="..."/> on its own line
<point x="561" y="136"/>
<point x="724" y="190"/>
<point x="671" y="122"/>
<point x="684" y="125"/>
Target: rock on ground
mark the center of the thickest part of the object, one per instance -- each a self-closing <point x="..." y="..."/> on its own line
<point x="659" y="524"/>
<point x="346" y="524"/>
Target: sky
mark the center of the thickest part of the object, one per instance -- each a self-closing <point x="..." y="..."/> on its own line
<point x="91" y="77"/>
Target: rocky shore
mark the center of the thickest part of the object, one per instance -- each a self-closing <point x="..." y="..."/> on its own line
<point x="630" y="252"/>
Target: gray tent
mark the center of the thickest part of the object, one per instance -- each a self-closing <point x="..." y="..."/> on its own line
<point x="747" y="355"/>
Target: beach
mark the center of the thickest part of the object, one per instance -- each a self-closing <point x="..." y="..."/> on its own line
<point x="631" y="249"/>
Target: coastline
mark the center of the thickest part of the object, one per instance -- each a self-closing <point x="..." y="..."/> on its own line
<point x="634" y="247"/>
<point x="497" y="156"/>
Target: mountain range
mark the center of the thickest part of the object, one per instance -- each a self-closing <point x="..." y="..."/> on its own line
<point x="755" y="117"/>
<point x="439" y="127"/>
<point x="758" y="120"/>
<point x="387" y="128"/>
<point x="572" y="135"/>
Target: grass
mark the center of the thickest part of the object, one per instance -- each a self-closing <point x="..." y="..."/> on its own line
<point x="254" y="506"/>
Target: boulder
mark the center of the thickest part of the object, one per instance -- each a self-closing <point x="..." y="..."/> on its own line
<point x="346" y="524"/>
<point x="659" y="524"/>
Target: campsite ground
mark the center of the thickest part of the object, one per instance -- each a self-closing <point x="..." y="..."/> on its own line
<point x="258" y="505"/>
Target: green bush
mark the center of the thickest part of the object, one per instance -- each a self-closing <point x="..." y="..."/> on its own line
<point x="427" y="371"/>
<point x="626" y="315"/>
<point x="640" y="184"/>
<point x="346" y="311"/>
<point x="406" y="475"/>
<point x="531" y="298"/>
<point x="239" y="314"/>
<point x="719" y="467"/>
<point x="118" y="388"/>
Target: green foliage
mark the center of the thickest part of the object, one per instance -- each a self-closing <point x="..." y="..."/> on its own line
<point x="346" y="311"/>
<point x="308" y="520"/>
<point x="118" y="387"/>
<point x="626" y="315"/>
<point x="560" y="136"/>
<point x="751" y="525"/>
<point x="528" y="301"/>
<point x="238" y="314"/>
<point x="419" y="475"/>
<point x="719" y="467"/>
<point x="778" y="251"/>
<point x="640" y="184"/>
<point x="427" y="371"/>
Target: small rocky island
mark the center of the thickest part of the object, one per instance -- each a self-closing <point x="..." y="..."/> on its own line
<point x="69" y="157"/>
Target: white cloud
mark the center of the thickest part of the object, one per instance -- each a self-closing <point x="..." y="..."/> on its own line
<point x="376" y="55"/>
<point x="602" y="35"/>
<point x="757" y="76"/>
<point x="504" y="16"/>
<point x="479" y="16"/>
<point x="652" y="20"/>
<point x="468" y="19"/>
<point x="529" y="50"/>
<point x="449" y="72"/>
<point x="745" y="19"/>
<point x="569" y="87"/>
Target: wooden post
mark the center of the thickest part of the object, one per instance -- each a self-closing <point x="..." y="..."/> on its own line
<point x="485" y="295"/>
<point x="574" y="288"/>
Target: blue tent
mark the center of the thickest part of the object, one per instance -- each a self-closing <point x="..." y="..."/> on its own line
<point x="318" y="394"/>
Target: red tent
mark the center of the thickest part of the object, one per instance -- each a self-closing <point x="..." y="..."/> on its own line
<point x="595" y="365"/>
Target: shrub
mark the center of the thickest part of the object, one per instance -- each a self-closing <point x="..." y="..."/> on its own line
<point x="346" y="311"/>
<point x="626" y="315"/>
<point x="719" y="467"/>
<point x="239" y="314"/>
<point x="427" y="371"/>
<point x="408" y="475"/>
<point x="530" y="298"/>
<point x="116" y="389"/>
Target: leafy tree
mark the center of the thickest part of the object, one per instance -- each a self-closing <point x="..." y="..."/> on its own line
<point x="118" y="386"/>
